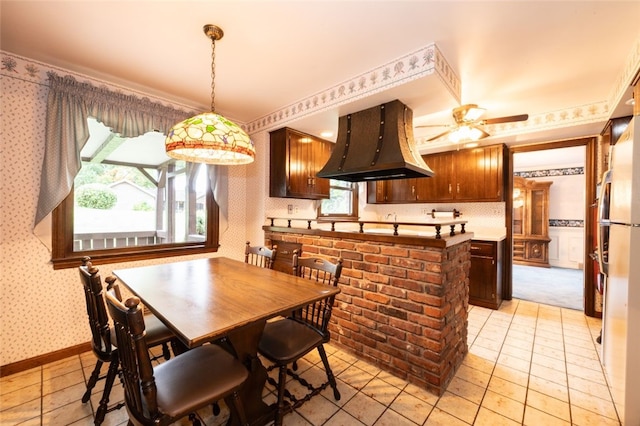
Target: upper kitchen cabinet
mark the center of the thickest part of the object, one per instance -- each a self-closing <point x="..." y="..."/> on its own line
<point x="479" y="174"/>
<point x="470" y="175"/>
<point x="295" y="160"/>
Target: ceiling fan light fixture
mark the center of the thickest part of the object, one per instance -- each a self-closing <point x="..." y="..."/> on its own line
<point x="209" y="137"/>
<point x="466" y="133"/>
<point x="467" y="113"/>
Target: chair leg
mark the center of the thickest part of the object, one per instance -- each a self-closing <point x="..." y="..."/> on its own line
<point x="178" y="347"/>
<point x="93" y="379"/>
<point x="238" y="408"/>
<point x="194" y="420"/>
<point x="330" y="376"/>
<point x="108" y="384"/>
<point x="165" y="352"/>
<point x="282" y="380"/>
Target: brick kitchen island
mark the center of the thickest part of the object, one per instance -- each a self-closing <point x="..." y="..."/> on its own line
<point x="403" y="301"/>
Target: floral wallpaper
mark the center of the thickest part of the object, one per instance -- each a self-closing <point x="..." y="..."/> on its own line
<point x="42" y="310"/>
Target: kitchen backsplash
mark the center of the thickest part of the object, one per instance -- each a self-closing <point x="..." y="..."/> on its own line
<point x="478" y="215"/>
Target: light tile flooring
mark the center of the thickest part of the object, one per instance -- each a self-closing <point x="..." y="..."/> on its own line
<point x="528" y="364"/>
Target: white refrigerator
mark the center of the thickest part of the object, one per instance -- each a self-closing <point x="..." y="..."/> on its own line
<point x="621" y="310"/>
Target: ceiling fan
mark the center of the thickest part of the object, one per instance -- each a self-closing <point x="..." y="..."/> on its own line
<point x="468" y="122"/>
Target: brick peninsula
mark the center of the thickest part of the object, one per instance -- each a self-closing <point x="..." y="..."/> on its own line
<point x="404" y="298"/>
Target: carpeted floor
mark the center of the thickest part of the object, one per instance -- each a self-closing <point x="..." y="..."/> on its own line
<point x="553" y="286"/>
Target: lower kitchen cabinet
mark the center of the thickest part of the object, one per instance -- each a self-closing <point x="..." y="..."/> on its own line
<point x="485" y="275"/>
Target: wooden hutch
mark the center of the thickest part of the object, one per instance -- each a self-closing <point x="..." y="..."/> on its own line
<point x="530" y="222"/>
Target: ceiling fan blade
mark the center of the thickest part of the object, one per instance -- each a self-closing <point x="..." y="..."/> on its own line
<point x="432" y="125"/>
<point x="508" y="119"/>
<point x="439" y="136"/>
<point x="484" y="134"/>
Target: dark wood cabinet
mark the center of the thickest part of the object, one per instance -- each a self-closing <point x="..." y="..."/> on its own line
<point x="479" y="174"/>
<point x="485" y="275"/>
<point x="295" y="160"/>
<point x="470" y="175"/>
<point x="441" y="185"/>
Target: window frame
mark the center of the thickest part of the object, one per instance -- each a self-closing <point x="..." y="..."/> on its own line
<point x="63" y="255"/>
<point x="354" y="189"/>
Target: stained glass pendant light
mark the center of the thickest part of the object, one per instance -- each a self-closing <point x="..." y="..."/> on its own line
<point x="209" y="137"/>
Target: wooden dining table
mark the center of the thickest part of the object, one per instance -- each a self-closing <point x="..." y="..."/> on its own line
<point x="206" y="300"/>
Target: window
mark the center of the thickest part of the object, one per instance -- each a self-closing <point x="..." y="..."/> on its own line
<point x="342" y="202"/>
<point x="130" y="201"/>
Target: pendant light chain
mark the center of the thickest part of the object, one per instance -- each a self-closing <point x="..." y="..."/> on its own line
<point x="208" y="137"/>
<point x="213" y="74"/>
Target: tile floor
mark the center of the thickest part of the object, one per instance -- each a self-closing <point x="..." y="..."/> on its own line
<point x="528" y="364"/>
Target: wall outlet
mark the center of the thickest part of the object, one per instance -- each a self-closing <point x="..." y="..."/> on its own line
<point x="290" y="208"/>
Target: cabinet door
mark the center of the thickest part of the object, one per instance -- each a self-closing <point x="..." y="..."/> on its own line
<point x="481" y="280"/>
<point x="391" y="191"/>
<point x="300" y="166"/>
<point x="295" y="161"/>
<point x="485" y="274"/>
<point x="401" y="190"/>
<point x="469" y="174"/>
<point x="320" y="153"/>
<point x="377" y="192"/>
<point x="438" y="187"/>
<point x="537" y="207"/>
<point x="493" y="180"/>
<point x="479" y="174"/>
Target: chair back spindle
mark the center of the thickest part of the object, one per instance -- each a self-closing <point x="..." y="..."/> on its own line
<point x="96" y="311"/>
<point x="137" y="371"/>
<point x="260" y="256"/>
<point x="317" y="314"/>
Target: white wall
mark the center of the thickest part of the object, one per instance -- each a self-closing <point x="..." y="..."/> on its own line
<point x="565" y="168"/>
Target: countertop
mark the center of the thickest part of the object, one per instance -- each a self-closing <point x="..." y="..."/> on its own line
<point x="488" y="234"/>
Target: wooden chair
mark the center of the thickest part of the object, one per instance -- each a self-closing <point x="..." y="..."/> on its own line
<point x="260" y="255"/>
<point x="179" y="387"/>
<point x="288" y="340"/>
<point x="103" y="340"/>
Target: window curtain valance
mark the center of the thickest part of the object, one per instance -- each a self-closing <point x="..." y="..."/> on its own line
<point x="69" y="104"/>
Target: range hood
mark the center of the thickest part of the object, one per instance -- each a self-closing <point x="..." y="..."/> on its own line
<point x="376" y="144"/>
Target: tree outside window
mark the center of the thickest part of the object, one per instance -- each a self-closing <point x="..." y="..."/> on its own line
<point x="342" y="202"/>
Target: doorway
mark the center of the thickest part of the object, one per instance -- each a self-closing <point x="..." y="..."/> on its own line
<point x="548" y="226"/>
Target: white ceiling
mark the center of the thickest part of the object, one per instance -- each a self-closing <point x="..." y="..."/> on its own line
<point x="511" y="57"/>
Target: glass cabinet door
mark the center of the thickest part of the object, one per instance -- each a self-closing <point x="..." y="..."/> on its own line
<point x="518" y="211"/>
<point x="537" y="211"/>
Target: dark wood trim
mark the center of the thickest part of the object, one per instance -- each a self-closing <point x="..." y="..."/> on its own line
<point x="28" y="364"/>
<point x="590" y="243"/>
<point x="63" y="254"/>
<point x="507" y="247"/>
<point x="381" y="238"/>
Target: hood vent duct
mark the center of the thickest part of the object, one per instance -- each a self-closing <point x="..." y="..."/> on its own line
<point x="376" y="144"/>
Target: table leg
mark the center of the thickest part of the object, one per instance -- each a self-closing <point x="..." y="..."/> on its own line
<point x="245" y="344"/>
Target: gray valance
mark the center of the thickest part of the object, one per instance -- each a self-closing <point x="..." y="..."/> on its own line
<point x="69" y="104"/>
